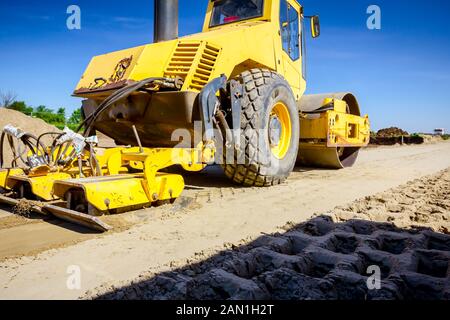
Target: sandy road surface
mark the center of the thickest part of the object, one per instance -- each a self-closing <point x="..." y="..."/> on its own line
<point x="213" y="216"/>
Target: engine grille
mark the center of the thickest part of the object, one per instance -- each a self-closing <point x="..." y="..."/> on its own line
<point x="195" y="62"/>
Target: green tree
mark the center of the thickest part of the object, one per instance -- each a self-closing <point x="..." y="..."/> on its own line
<point x="75" y="119"/>
<point x="61" y="112"/>
<point x="57" y="119"/>
<point x="43" y="110"/>
<point x="21" y="107"/>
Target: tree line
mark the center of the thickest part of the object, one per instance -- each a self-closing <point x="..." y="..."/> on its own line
<point x="57" y="118"/>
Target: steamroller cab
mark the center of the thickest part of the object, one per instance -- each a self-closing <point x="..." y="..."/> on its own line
<point x="232" y="95"/>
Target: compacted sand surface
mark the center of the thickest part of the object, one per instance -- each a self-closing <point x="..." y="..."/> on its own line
<point x="318" y="259"/>
<point x="423" y="202"/>
<point x="329" y="256"/>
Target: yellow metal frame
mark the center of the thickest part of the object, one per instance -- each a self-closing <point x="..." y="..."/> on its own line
<point x="5" y="174"/>
<point x="119" y="191"/>
<point x="117" y="186"/>
<point x="42" y="178"/>
<point x="346" y="130"/>
<point x="41" y="186"/>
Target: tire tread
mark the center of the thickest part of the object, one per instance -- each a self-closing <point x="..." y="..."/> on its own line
<point x="255" y="83"/>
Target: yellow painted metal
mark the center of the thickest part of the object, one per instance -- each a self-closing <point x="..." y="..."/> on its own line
<point x="339" y="105"/>
<point x="348" y="130"/>
<point x="140" y="188"/>
<point x="193" y="61"/>
<point x="228" y="49"/>
<point x="282" y="113"/>
<point x="122" y="191"/>
<point x="41" y="186"/>
<point x="119" y="191"/>
<point x="41" y="179"/>
<point x="334" y="128"/>
<point x="6" y="173"/>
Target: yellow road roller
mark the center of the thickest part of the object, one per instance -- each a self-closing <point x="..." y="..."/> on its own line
<point x="232" y="95"/>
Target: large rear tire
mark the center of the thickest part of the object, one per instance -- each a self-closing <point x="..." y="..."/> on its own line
<point x="270" y="129"/>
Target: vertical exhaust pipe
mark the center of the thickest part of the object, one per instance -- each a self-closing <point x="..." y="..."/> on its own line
<point x="166" y="20"/>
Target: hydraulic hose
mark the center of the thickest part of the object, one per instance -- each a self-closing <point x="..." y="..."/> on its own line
<point x="120" y="94"/>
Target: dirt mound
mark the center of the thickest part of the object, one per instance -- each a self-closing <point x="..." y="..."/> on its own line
<point x="36" y="127"/>
<point x="28" y="124"/>
<point x="391" y="132"/>
<point x="392" y="136"/>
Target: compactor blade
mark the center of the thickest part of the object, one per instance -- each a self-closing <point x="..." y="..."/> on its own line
<point x="78" y="218"/>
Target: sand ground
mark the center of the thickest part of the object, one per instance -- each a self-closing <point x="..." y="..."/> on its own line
<point x="211" y="216"/>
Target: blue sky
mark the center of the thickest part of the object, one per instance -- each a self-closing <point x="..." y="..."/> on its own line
<point x="401" y="73"/>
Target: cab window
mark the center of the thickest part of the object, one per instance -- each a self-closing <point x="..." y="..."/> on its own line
<point x="229" y="11"/>
<point x="290" y="26"/>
